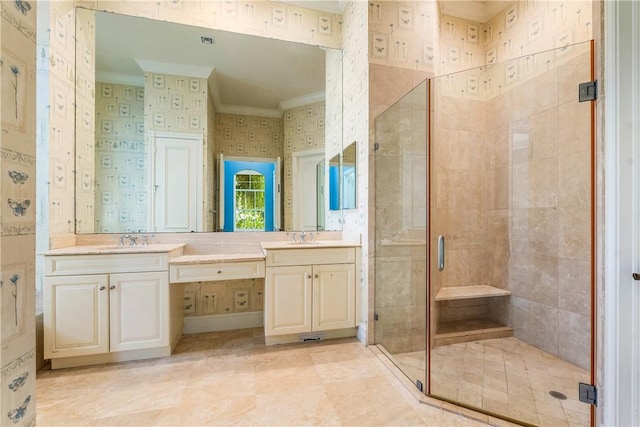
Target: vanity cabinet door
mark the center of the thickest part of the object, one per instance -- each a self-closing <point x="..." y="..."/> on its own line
<point x="139" y="310"/>
<point x="334" y="293"/>
<point x="76" y="315"/>
<point x="288" y="300"/>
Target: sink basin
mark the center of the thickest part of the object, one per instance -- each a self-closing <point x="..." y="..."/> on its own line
<point x="115" y="249"/>
<point x="305" y="243"/>
<point x="119" y="248"/>
<point x="134" y="248"/>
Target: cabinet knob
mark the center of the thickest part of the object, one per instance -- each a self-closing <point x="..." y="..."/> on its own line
<point x="219" y="271"/>
<point x="315" y="275"/>
<point x="636" y="276"/>
<point x="112" y="287"/>
<point x="308" y="276"/>
<point x="102" y="288"/>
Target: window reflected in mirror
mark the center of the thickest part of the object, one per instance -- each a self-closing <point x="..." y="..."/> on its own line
<point x="249" y="203"/>
<point x="320" y="195"/>
<point x="349" y="177"/>
<point x="334" y="183"/>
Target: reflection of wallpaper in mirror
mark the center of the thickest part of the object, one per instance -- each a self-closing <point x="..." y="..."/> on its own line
<point x="304" y="129"/>
<point x="121" y="160"/>
<point x="248" y="136"/>
<point x="175" y="103"/>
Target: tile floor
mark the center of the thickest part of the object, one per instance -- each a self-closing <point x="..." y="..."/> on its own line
<point x="505" y="375"/>
<point x="232" y="378"/>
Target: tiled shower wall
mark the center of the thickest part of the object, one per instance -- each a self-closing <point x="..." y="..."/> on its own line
<point x="401" y="220"/>
<point x="550" y="264"/>
<point x="403" y="49"/>
<point x="525" y="218"/>
<point x="18" y="218"/>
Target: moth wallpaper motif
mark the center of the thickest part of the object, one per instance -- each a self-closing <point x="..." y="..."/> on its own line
<point x="18" y="218"/>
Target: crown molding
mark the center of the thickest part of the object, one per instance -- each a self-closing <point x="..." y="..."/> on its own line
<point x="117" y="78"/>
<point x="310" y="98"/>
<point x="174" y="69"/>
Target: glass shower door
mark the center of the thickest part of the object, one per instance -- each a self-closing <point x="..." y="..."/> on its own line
<point x="401" y="233"/>
<point x="511" y="238"/>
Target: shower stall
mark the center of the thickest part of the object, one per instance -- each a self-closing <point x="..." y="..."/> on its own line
<point x="484" y="236"/>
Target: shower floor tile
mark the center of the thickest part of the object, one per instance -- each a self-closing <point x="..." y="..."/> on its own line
<point x="505" y="376"/>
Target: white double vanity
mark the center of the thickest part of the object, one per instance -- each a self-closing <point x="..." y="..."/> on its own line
<point x="110" y="303"/>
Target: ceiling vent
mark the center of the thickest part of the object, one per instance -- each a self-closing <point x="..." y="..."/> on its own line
<point x="207" y="40"/>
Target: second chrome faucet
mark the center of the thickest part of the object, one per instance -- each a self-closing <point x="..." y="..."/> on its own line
<point x="302" y="237"/>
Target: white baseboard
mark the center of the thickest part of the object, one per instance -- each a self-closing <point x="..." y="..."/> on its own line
<point x="222" y="322"/>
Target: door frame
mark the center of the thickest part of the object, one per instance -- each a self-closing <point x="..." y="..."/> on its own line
<point x="277" y="187"/>
<point x="620" y="240"/>
<point x="297" y="185"/>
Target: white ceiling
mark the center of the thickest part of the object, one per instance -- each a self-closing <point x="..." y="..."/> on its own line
<point x="247" y="74"/>
<point x="473" y="10"/>
<point x="333" y="6"/>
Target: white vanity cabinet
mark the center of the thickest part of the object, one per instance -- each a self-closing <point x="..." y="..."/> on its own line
<point x="309" y="289"/>
<point x="76" y="315"/>
<point x="112" y="316"/>
<point x="92" y="314"/>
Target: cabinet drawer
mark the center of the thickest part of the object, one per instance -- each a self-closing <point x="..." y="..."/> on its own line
<point x="184" y="273"/>
<point x="315" y="256"/>
<point x="64" y="265"/>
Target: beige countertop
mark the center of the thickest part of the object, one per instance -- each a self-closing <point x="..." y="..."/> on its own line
<point x="254" y="254"/>
<point x="213" y="258"/>
<point x="115" y="249"/>
<point x="309" y="245"/>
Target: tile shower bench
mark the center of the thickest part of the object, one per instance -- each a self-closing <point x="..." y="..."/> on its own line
<point x="468" y="305"/>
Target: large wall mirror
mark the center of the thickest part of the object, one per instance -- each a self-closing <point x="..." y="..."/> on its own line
<point x="187" y="129"/>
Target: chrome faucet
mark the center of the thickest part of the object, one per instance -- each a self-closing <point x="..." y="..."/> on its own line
<point x="132" y="240"/>
<point x="303" y="234"/>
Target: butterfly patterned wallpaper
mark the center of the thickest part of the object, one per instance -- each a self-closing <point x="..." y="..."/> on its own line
<point x="18" y="219"/>
<point x="223" y="297"/>
<point x="355" y="128"/>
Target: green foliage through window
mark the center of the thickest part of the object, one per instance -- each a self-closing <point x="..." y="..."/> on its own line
<point x="249" y="201"/>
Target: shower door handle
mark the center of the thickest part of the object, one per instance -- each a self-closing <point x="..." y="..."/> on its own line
<point x="440" y="252"/>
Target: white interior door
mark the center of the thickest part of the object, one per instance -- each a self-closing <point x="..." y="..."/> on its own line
<point x="178" y="183"/>
<point x="305" y="199"/>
